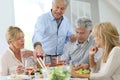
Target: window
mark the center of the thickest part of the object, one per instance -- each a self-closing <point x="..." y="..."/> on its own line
<point x="79" y="9"/>
<point x="26" y="14"/>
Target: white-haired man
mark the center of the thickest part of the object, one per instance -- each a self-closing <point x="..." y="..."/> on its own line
<point x="78" y="52"/>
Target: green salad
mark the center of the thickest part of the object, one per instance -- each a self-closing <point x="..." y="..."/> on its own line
<point x="59" y="73"/>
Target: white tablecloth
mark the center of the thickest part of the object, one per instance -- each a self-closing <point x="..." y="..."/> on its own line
<point x="6" y="78"/>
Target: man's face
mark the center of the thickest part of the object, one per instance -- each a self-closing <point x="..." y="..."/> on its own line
<point x="58" y="8"/>
<point x="82" y="34"/>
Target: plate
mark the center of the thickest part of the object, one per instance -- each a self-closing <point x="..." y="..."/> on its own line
<point x="78" y="78"/>
<point x="18" y="77"/>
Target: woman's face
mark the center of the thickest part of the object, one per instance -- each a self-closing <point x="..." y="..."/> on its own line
<point x="98" y="41"/>
<point x="19" y="42"/>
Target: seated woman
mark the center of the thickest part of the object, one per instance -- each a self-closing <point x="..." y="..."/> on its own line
<point x="12" y="60"/>
<point x="107" y="67"/>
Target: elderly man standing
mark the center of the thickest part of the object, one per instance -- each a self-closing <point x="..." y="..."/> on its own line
<point x="78" y="51"/>
<point x="53" y="29"/>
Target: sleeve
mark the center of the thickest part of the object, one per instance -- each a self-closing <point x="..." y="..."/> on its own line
<point x="69" y="33"/>
<point x="39" y="30"/>
<point x="96" y="68"/>
<point x="3" y="66"/>
<point x="66" y="53"/>
<point x="110" y="66"/>
<point x="98" y="54"/>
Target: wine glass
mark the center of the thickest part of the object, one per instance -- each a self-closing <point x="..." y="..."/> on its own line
<point x="29" y="70"/>
<point x="39" y="55"/>
<point x="28" y="67"/>
<point x="47" y="61"/>
<point x="61" y="60"/>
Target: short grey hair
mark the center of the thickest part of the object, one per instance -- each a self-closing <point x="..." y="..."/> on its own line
<point x="84" y="22"/>
<point x="65" y="1"/>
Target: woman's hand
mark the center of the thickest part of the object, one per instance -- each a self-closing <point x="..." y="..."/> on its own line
<point x="93" y="50"/>
<point x="73" y="74"/>
<point x="20" y="69"/>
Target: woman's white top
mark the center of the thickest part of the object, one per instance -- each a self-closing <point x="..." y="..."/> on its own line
<point x="109" y="70"/>
<point x="8" y="63"/>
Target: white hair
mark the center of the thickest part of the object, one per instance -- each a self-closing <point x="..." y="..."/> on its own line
<point x="84" y="22"/>
<point x="65" y="1"/>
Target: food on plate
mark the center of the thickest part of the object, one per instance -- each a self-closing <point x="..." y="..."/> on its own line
<point x="18" y="77"/>
<point x="82" y="71"/>
<point x="15" y="76"/>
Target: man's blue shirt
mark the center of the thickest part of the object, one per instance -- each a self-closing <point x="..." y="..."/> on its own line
<point x="52" y="38"/>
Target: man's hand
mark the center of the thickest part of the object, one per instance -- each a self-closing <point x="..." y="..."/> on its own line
<point x="73" y="38"/>
<point x="81" y="66"/>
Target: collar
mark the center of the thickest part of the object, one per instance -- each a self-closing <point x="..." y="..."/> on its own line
<point x="89" y="38"/>
<point x="15" y="57"/>
<point x="11" y="52"/>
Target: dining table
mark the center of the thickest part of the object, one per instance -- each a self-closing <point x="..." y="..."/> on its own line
<point x="62" y="71"/>
<point x="8" y="78"/>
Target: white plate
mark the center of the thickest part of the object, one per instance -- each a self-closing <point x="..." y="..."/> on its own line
<point x="18" y="77"/>
<point x="69" y="79"/>
<point x="78" y="78"/>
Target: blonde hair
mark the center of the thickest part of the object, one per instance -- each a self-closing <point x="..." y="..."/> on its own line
<point x="12" y="33"/>
<point x="109" y="36"/>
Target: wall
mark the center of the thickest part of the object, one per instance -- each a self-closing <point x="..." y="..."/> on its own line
<point x="109" y="13"/>
<point x="6" y="19"/>
<point x="94" y="10"/>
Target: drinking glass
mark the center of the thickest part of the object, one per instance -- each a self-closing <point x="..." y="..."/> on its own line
<point x="54" y="60"/>
<point x="45" y="73"/>
<point x="29" y="68"/>
<point x="47" y="61"/>
<point x="61" y="60"/>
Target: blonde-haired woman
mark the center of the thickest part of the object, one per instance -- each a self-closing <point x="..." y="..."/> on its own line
<point x="107" y="67"/>
<point x="11" y="60"/>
